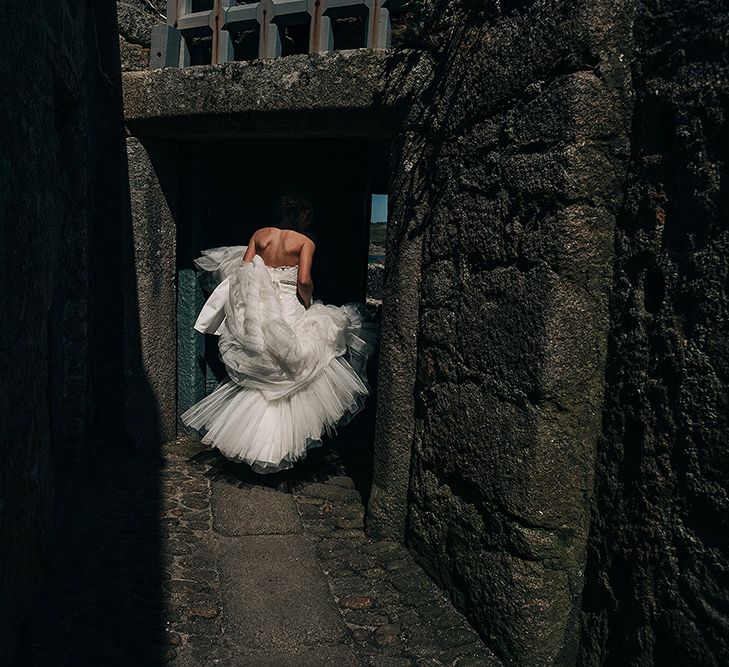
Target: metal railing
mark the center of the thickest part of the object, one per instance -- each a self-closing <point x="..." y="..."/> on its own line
<point x="218" y="31"/>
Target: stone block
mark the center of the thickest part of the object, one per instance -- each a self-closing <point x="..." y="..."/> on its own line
<point x="275" y="594"/>
<point x="239" y="511"/>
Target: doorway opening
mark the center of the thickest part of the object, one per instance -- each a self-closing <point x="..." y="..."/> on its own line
<point x="376" y="251"/>
<point x="233" y="187"/>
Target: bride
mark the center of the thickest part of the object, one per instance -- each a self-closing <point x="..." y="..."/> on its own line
<point x="296" y="368"/>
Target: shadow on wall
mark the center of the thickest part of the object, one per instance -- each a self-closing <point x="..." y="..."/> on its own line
<point x="501" y="280"/>
<point x="100" y="600"/>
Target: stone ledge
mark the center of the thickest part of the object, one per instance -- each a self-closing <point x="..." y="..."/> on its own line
<point x="236" y="98"/>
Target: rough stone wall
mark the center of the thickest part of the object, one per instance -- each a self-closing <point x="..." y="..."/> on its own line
<point x="657" y="591"/>
<point x="59" y="114"/>
<point x="520" y="170"/>
<point x="136" y="19"/>
<point x="150" y="354"/>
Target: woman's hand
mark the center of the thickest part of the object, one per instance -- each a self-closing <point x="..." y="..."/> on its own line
<point x="301" y="300"/>
<point x="304" y="283"/>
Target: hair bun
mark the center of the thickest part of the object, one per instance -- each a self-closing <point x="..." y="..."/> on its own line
<point x="296" y="208"/>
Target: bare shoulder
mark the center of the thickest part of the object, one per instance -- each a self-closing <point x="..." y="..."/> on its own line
<point x="265" y="234"/>
<point x="299" y="240"/>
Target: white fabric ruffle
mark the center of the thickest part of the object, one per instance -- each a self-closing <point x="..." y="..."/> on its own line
<point x="294" y="373"/>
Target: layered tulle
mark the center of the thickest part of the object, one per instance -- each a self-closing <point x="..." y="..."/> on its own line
<point x="294" y="373"/>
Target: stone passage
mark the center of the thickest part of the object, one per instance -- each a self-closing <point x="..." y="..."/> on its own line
<point x="193" y="560"/>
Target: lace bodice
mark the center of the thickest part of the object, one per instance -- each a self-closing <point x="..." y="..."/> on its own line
<point x="284" y="274"/>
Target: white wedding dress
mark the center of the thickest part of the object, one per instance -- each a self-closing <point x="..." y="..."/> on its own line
<point x="294" y="373"/>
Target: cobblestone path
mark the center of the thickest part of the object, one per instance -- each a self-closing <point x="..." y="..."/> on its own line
<point x="189" y="559"/>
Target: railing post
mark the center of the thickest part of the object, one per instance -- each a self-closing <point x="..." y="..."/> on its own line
<point x="222" y="50"/>
<point x="270" y="41"/>
<point x="321" y="35"/>
<point x="177" y="8"/>
<point x="379" y="28"/>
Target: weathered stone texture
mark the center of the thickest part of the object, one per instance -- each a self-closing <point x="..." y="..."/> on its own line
<point x="293" y="96"/>
<point x="657" y="591"/>
<point x="59" y="116"/>
<point x="136" y="18"/>
<point x="524" y="141"/>
<point x="150" y="356"/>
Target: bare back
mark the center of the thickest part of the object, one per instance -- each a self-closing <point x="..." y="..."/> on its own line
<point x="279" y="247"/>
<point x="285" y="247"/>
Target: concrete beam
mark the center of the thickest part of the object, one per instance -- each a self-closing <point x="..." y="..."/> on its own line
<point x="320" y="92"/>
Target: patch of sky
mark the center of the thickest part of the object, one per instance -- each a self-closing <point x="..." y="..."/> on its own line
<point x="379" y="209"/>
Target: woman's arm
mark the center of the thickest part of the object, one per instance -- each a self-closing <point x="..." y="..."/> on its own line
<point x="305" y="285"/>
<point x="251" y="250"/>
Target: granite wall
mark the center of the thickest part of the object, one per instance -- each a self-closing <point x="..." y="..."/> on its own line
<point x="136" y="19"/>
<point x="511" y="175"/>
<point x="60" y="183"/>
<point x="557" y="274"/>
<point x="657" y="586"/>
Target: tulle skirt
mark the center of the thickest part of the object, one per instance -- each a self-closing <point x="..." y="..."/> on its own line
<point x="293" y="373"/>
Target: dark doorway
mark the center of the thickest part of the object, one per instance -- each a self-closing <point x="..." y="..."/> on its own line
<point x="233" y="187"/>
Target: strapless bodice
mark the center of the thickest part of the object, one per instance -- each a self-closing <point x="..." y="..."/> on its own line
<point x="282" y="274"/>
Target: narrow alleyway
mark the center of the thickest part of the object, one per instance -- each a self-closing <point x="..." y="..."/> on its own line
<point x="189" y="559"/>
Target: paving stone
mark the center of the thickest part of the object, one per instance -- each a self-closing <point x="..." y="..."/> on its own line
<point x="204" y="609"/>
<point x="206" y="576"/>
<point x="374" y="573"/>
<point x="390" y="661"/>
<point x="356" y="602"/>
<point x="311" y="511"/>
<point x="346" y="511"/>
<point x="320" y="531"/>
<point x="241" y="511"/>
<point x="356" y="560"/>
<point x="353" y="586"/>
<point x="321" y="657"/>
<point x="176" y="548"/>
<point x="304" y="500"/>
<point x="417" y="598"/>
<point x="344" y="482"/>
<point x="355" y="536"/>
<point x="194" y="502"/>
<point x="362" y="636"/>
<point x="408" y="617"/>
<point x="383" y="548"/>
<point x="480" y="659"/>
<point x="340" y="522"/>
<point x="364" y="616"/>
<point x="387" y="635"/>
<point x="400" y="565"/>
<point x="329" y="492"/>
<point x="275" y="595"/>
<point x="412" y="582"/>
<point x="197" y="625"/>
<point x="198" y="525"/>
<point x="330" y="548"/>
<point x="184" y="586"/>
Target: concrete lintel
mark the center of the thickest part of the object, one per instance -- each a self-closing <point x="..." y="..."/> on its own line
<point x="317" y="82"/>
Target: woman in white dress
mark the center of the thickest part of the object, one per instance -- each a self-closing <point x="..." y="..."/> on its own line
<point x="296" y="368"/>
